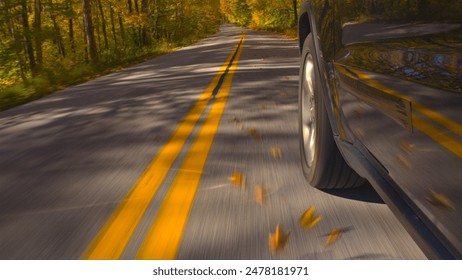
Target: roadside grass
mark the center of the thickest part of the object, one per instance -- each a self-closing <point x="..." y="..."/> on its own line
<point x="62" y="75"/>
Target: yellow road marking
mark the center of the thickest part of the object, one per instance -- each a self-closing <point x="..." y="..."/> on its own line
<point x="116" y="233"/>
<point x="451" y="144"/>
<point x="164" y="237"/>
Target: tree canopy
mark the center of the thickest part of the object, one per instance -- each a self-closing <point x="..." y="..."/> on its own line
<point x="47" y="44"/>
<point x="265" y="14"/>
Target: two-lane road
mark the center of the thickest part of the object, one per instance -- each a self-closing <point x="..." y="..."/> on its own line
<point x="193" y="155"/>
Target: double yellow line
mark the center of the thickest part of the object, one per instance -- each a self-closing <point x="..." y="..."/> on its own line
<point x="164" y="236"/>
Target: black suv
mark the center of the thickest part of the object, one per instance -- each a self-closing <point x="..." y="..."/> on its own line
<point x="380" y="99"/>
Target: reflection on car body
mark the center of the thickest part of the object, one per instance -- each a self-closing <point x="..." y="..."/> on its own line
<point x="389" y="76"/>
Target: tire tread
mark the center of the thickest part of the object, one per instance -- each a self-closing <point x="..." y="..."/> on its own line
<point x="329" y="170"/>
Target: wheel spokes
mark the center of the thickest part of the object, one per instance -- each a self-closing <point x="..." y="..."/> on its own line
<point x="308" y="111"/>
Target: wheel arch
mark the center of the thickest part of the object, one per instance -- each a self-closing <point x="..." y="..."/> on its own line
<point x="305" y="26"/>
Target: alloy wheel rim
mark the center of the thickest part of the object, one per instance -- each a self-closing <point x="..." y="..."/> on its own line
<point x="308" y="111"/>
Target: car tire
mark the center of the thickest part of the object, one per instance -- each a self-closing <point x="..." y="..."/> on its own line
<point x="322" y="162"/>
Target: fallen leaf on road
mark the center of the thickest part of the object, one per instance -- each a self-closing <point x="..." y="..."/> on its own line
<point x="238" y="179"/>
<point x="309" y="219"/>
<point x="278" y="240"/>
<point x="440" y="200"/>
<point x="260" y="194"/>
<point x="252" y="131"/>
<point x="276" y="153"/>
<point x="283" y="93"/>
<point x="333" y="236"/>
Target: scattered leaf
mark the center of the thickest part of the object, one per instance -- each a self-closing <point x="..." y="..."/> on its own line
<point x="309" y="219"/>
<point x="252" y="131"/>
<point x="236" y="120"/>
<point x="276" y="153"/>
<point x="264" y="107"/>
<point x="260" y="194"/>
<point x="283" y="93"/>
<point x="238" y="179"/>
<point x="333" y="236"/>
<point x="440" y="200"/>
<point x="278" y="240"/>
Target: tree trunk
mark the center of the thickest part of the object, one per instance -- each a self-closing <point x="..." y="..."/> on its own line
<point x="130" y="9"/>
<point x="71" y="34"/>
<point x="14" y="36"/>
<point x="59" y="38"/>
<point x="122" y="30"/>
<point x="103" y="23"/>
<point x="89" y="34"/>
<point x="113" y="26"/>
<point x="144" y="32"/>
<point x="27" y="38"/>
<point x="295" y="10"/>
<point x="38" y="32"/>
<point x="97" y="26"/>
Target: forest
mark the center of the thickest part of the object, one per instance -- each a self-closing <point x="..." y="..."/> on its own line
<point x="46" y="45"/>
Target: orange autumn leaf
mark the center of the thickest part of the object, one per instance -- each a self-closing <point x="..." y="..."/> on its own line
<point x="260" y="194"/>
<point x="276" y="153"/>
<point x="278" y="240"/>
<point x="252" y="131"/>
<point x="333" y="236"/>
<point x="238" y="180"/>
<point x="309" y="218"/>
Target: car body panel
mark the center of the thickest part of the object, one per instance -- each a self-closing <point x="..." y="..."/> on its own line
<point x="394" y="79"/>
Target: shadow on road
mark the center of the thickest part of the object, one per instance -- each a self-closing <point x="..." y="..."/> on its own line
<point x="365" y="193"/>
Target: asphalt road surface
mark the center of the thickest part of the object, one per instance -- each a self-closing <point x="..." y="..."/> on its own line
<point x="193" y="155"/>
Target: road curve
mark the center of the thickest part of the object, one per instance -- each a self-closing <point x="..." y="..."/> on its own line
<point x="83" y="160"/>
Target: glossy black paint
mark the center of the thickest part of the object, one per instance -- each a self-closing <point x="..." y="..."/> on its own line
<point x="393" y="74"/>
